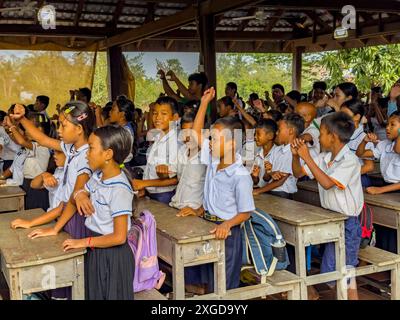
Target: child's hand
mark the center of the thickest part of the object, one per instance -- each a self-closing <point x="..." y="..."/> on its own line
<point x="371" y="137"/>
<point x="20" y="223"/>
<point x="163" y="171"/>
<point x="266" y="95"/>
<point x="187" y="211"/>
<point x="259" y="105"/>
<point x="138" y="184"/>
<point x="374" y="190"/>
<point x="256" y="192"/>
<point x="256" y="171"/>
<point x="277" y="175"/>
<point x="19" y="112"/>
<point x="302" y="149"/>
<point x="49" y="180"/>
<point x="221" y="231"/>
<point x="44" y="232"/>
<point x="208" y="95"/>
<point x="172" y="75"/>
<point x="267" y="166"/>
<point x="83" y="204"/>
<point x="70" y="244"/>
<point x="293" y="149"/>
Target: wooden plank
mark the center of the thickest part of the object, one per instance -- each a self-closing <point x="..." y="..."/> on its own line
<point x="20" y="251"/>
<point x="8" y="192"/>
<point x="177" y="229"/>
<point x="152" y="294"/>
<point x="378" y="256"/>
<point x="294" y="212"/>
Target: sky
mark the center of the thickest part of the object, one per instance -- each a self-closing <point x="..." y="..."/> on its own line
<point x="189" y="61"/>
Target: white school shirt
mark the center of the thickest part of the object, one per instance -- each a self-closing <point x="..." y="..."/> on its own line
<point x="191" y="175"/>
<point x="56" y="194"/>
<point x="259" y="161"/>
<point x="229" y="191"/>
<point x="345" y="170"/>
<point x="75" y="165"/>
<point x="164" y="150"/>
<point x="17" y="169"/>
<point x="36" y="161"/>
<point x="10" y="148"/>
<point x="111" y="198"/>
<point x="355" y="140"/>
<point x="314" y="148"/>
<point x="389" y="161"/>
<point x="281" y="160"/>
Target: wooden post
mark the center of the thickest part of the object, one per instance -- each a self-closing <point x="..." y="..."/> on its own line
<point x="115" y="73"/>
<point x="208" y="55"/>
<point x="296" y="68"/>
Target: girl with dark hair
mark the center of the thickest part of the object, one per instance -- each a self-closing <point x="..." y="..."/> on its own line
<point x="343" y="92"/>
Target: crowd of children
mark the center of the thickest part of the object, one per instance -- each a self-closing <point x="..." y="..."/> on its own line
<point x="82" y="166"/>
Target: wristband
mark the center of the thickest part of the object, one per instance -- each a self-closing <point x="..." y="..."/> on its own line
<point x="78" y="192"/>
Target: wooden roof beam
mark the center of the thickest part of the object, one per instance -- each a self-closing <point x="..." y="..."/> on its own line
<point x="78" y="12"/>
<point x="117" y="12"/>
<point x="151" y="8"/>
<point x="271" y="24"/>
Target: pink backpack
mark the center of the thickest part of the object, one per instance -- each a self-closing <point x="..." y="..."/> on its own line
<point x="143" y="242"/>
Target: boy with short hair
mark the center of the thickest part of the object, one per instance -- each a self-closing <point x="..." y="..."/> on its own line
<point x="159" y="178"/>
<point x="284" y="183"/>
<point x="338" y="173"/>
<point x="310" y="134"/>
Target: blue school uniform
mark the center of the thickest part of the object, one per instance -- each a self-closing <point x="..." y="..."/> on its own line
<point x="227" y="192"/>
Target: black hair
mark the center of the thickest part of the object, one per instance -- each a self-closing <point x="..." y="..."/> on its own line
<point x="232" y="85"/>
<point x="320" y="85"/>
<point x="268" y="125"/>
<point x="44" y="99"/>
<point x="31" y="107"/>
<point x="278" y="86"/>
<point x="349" y="89"/>
<point x="105" y="112"/>
<point x="117" y="139"/>
<point x="295" y="121"/>
<point x="3" y="114"/>
<point x="232" y="124"/>
<point x="253" y="96"/>
<point x="194" y="104"/>
<point x="200" y="78"/>
<point x="395" y="114"/>
<point x="295" y="95"/>
<point x="227" y="101"/>
<point x="87" y="93"/>
<point x="126" y="106"/>
<point x="170" y="102"/>
<point x="355" y="106"/>
<point x="40" y="121"/>
<point x="188" y="118"/>
<point x="341" y="124"/>
<point x="377" y="89"/>
<point x="275" y="114"/>
<point x="79" y="113"/>
<point x="139" y="111"/>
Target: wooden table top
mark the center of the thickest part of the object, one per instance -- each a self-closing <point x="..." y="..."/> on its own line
<point x="294" y="212"/>
<point x="8" y="192"/>
<point x="19" y="251"/>
<point x="178" y="229"/>
<point x="386" y="200"/>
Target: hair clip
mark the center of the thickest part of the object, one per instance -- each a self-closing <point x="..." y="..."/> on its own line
<point x="83" y="116"/>
<point x="122" y="166"/>
<point x="69" y="109"/>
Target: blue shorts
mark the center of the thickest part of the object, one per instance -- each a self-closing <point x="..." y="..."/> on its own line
<point x="352" y="245"/>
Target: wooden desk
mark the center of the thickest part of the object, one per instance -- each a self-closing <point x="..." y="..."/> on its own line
<point x="185" y="242"/>
<point x="11" y="199"/>
<point x="386" y="206"/>
<point x="303" y="225"/>
<point x="39" y="264"/>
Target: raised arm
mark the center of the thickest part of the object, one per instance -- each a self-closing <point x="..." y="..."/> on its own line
<point x="361" y="152"/>
<point x="198" y="124"/>
<point x="245" y="115"/>
<point x="36" y="134"/>
<point x="167" y="88"/>
<point x="182" y="88"/>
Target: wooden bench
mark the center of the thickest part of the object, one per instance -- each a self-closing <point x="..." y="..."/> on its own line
<point x="386" y="206"/>
<point x="185" y="242"/>
<point x="11" y="199"/>
<point x="35" y="265"/>
<point x="303" y="225"/>
<point x="378" y="261"/>
<point x="152" y="294"/>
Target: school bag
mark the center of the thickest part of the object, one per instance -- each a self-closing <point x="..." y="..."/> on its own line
<point x="258" y="233"/>
<point x="367" y="228"/>
<point x="143" y="242"/>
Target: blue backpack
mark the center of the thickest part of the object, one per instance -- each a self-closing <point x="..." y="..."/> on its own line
<point x="258" y="233"/>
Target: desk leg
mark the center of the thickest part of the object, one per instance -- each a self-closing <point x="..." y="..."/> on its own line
<point x="219" y="271"/>
<point x="78" y="286"/>
<point x="21" y="203"/>
<point x="301" y="269"/>
<point x="340" y="257"/>
<point x="15" y="286"/>
<point x="395" y="284"/>
<point x="398" y="232"/>
<point x="178" y="273"/>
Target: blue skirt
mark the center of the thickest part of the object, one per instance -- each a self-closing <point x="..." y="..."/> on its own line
<point x="164" y="197"/>
<point x="204" y="274"/>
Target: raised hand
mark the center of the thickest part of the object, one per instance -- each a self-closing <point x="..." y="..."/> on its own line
<point x="208" y="95"/>
<point x="256" y="171"/>
<point x="371" y="137"/>
<point x="19" y="112"/>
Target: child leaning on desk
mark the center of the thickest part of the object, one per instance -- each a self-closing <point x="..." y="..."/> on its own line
<point x="338" y="172"/>
<point x="228" y="198"/>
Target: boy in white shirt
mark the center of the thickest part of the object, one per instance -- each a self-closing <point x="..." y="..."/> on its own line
<point x="338" y="173"/>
